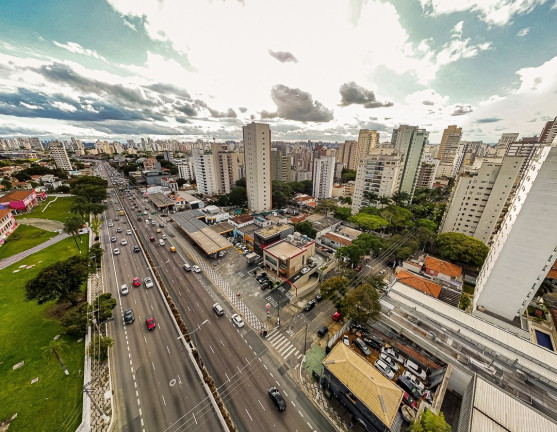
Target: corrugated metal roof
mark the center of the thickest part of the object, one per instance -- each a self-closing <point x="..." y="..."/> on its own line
<point x="496" y="410"/>
<point x="530" y="356"/>
<point x="207" y="239"/>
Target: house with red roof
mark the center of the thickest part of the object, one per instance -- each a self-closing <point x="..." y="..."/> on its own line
<point x="7" y="224"/>
<point x="21" y="200"/>
<point x="421" y="284"/>
<point x="443" y="270"/>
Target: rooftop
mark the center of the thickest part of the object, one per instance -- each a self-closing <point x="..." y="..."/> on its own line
<point x="338" y="239"/>
<point x="243" y="218"/>
<point x="273" y="230"/>
<point x="419" y="283"/>
<point x="160" y="200"/>
<point x="379" y="394"/>
<point x="17" y="195"/>
<point x="284" y="250"/>
<point x="443" y="267"/>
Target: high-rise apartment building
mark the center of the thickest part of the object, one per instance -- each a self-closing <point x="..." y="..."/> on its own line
<point x="504" y="141"/>
<point x="427" y="171"/>
<point x="281" y="166"/>
<point x="449" y="144"/>
<point x="480" y="196"/>
<point x="60" y="156"/>
<point x="203" y="166"/>
<point x="525" y="247"/>
<point x="526" y="148"/>
<point x="257" y="155"/>
<point x="378" y="173"/>
<point x="347" y="154"/>
<point x="549" y="132"/>
<point x="186" y="169"/>
<point x="367" y="139"/>
<point x="410" y="141"/>
<point x="323" y="176"/>
<point x="36" y="143"/>
<point x="226" y="168"/>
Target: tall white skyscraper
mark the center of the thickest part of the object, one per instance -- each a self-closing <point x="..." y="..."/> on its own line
<point x="525" y="247"/>
<point x="203" y="167"/>
<point x="186" y="169"/>
<point x="323" y="176"/>
<point x="257" y="156"/>
<point x="58" y="153"/>
<point x="410" y="141"/>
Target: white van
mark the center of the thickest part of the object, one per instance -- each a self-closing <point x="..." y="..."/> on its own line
<point x="415" y="369"/>
<point x="161" y="242"/>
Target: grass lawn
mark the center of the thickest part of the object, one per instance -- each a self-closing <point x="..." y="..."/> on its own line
<point x="23" y="238"/>
<point x="58" y="209"/>
<point x="55" y="401"/>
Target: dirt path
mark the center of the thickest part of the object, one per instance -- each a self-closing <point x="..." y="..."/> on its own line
<point x="46" y="224"/>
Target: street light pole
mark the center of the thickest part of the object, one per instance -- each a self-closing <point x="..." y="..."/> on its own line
<point x="305" y="337"/>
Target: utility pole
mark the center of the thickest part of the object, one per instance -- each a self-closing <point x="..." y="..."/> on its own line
<point x="305" y="337"/>
<point x="88" y="392"/>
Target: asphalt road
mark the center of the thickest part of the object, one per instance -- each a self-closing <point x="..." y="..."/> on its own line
<point x="155" y="385"/>
<point x="238" y="359"/>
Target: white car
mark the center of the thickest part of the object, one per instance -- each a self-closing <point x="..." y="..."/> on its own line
<point x="392" y="364"/>
<point x="346" y="340"/>
<point x="124" y="289"/>
<point x="129" y="232"/>
<point x="123" y="242"/>
<point x="110" y="224"/>
<point x="163" y="237"/>
<point x="415" y="369"/>
<point x="392" y="352"/>
<point x="116" y="251"/>
<point x="384" y="369"/>
<point x="196" y="269"/>
<point x="305" y="270"/>
<point x="148" y="282"/>
<point x="237" y="320"/>
<point x="113" y="239"/>
<point x="414" y="380"/>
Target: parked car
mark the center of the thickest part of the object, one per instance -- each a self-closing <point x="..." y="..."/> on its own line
<point x="409" y="400"/>
<point x="372" y="343"/>
<point x="305" y="270"/>
<point x="150" y="321"/>
<point x="407" y="385"/>
<point x="136" y="281"/>
<point x="346" y="340"/>
<point x="277" y="399"/>
<point x="362" y="346"/>
<point x="309" y="305"/>
<point x="392" y="364"/>
<point x="414" y="368"/>
<point x="336" y="316"/>
<point x="148" y="282"/>
<point x="261" y="275"/>
<point x="128" y="316"/>
<point x="196" y="269"/>
<point x="318" y="297"/>
<point x="237" y="320"/>
<point x="218" y="309"/>
<point x="265" y="286"/>
<point x="322" y="331"/>
<point x="124" y="290"/>
<point x="414" y="380"/>
<point x="393" y="352"/>
<point x="358" y="268"/>
<point x="384" y="368"/>
<point x="222" y="253"/>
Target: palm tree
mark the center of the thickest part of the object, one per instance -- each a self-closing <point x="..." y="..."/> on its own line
<point x="72" y="226"/>
<point x="56" y="347"/>
<point x="371" y="197"/>
<point x="384" y="200"/>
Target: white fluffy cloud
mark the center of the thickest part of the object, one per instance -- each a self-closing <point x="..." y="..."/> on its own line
<point x="76" y="48"/>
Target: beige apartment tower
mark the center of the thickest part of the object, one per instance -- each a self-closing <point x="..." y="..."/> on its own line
<point x="449" y="144"/>
<point x="347" y="154"/>
<point x="257" y="154"/>
<point x="367" y="140"/>
<point x="60" y="156"/>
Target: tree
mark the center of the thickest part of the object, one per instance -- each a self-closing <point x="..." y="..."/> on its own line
<point x="95" y="254"/>
<point x="362" y="303"/>
<point x="60" y="281"/>
<point x="325" y="206"/>
<point x="384" y="200"/>
<point x="241" y="182"/>
<point x="401" y="250"/>
<point x="348" y="175"/>
<point x="401" y="198"/>
<point x="427" y="223"/>
<point x="55" y="348"/>
<point x="353" y="254"/>
<point x="80" y="206"/>
<point x="371" y="197"/>
<point x="306" y="228"/>
<point x="72" y="226"/>
<point x="95" y="226"/>
<point x="462" y="248"/>
<point x="430" y="422"/>
<point x="104" y="305"/>
<point x="343" y="213"/>
<point x="334" y="288"/>
<point x="368" y="242"/>
<point x="98" y="349"/>
<point x="400" y="219"/>
<point x="180" y="182"/>
<point x="6" y="183"/>
<point x="75" y="320"/>
<point x="369" y="222"/>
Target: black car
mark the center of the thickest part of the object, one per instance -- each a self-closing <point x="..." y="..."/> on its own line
<point x="262" y="280"/>
<point x="161" y="225"/>
<point x="407" y="385"/>
<point x="265" y="286"/>
<point x="372" y="343"/>
<point x="261" y="276"/>
<point x="277" y="399"/>
<point x="309" y="305"/>
<point x="136" y="249"/>
<point x="128" y="316"/>
<point x="322" y="331"/>
<point x="318" y="297"/>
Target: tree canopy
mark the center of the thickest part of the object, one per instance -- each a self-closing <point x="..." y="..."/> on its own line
<point x="343" y="213"/>
<point x="326" y="206"/>
<point x="461" y="248"/>
<point x="306" y="228"/>
<point x="334" y="288"/>
<point x="362" y="303"/>
<point x="430" y="422"/>
<point x="369" y="222"/>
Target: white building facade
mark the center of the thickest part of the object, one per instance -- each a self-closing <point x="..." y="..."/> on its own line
<point x="257" y="157"/>
<point x="323" y="176"/>
<point x="203" y="168"/>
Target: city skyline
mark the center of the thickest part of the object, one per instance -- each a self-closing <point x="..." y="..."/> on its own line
<point x="122" y="69"/>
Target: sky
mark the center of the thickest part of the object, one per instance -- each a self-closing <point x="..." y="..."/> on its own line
<point x="317" y="70"/>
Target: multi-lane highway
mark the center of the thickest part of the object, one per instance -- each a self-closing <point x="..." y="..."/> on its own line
<point x="154" y="382"/>
<point x="238" y="359"/>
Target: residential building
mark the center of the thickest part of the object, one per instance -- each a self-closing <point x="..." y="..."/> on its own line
<point x="151" y="164"/>
<point x="225" y="169"/>
<point x="449" y="144"/>
<point x="36" y="143"/>
<point x="281" y="166"/>
<point x="526" y="148"/>
<point x="203" y="166"/>
<point x="504" y="141"/>
<point x="410" y="141"/>
<point x="21" y="200"/>
<point x="60" y="156"/>
<point x="427" y="171"/>
<point x="347" y="154"/>
<point x="525" y="247"/>
<point x="549" y="132"/>
<point x="186" y="169"/>
<point x="288" y="256"/>
<point x="323" y="176"/>
<point x="257" y="154"/>
<point x="443" y="270"/>
<point x="421" y="284"/>
<point x="367" y="139"/>
<point x="7" y="224"/>
<point x="479" y="198"/>
<point x="378" y="173"/>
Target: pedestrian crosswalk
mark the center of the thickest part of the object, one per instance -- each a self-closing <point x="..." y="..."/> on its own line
<point x="282" y="344"/>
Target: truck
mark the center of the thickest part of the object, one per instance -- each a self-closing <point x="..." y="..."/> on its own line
<point x="251" y="257"/>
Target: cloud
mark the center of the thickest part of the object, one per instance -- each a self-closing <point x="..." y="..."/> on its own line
<point x="493" y="12"/>
<point x="242" y="109"/>
<point x="488" y="120"/>
<point x="461" y="110"/>
<point x="295" y="104"/>
<point x="268" y="115"/>
<point x="230" y="113"/>
<point x="75" y="48"/>
<point x="523" y="32"/>
<point x="458" y="48"/>
<point x="284" y="56"/>
<point x="186" y="108"/>
<point x="426" y="102"/>
<point x="352" y="93"/>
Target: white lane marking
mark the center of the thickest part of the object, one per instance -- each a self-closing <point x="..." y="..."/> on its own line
<point x="261" y="405"/>
<point x="239" y="369"/>
<point x="153" y="365"/>
<point x="271" y="375"/>
<point x="212" y="350"/>
<point x="278" y="383"/>
<point x="286" y="394"/>
<point x="163" y="400"/>
<point x="249" y="415"/>
<point x="145" y="338"/>
<point x="289" y="352"/>
<point x="265" y="366"/>
<point x="227" y="377"/>
<point x="168" y="349"/>
<point x="300" y="412"/>
<point x="309" y="425"/>
<point x="194" y="417"/>
<point x="179" y="379"/>
<point x="292" y="403"/>
<point x="221" y="342"/>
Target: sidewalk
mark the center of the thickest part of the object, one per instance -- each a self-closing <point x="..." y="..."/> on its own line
<point x="15" y="258"/>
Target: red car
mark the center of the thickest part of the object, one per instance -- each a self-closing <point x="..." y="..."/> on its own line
<point x="150" y="321"/>
<point x="409" y="400"/>
<point x="358" y="268"/>
<point x="136" y="281"/>
<point x="336" y="316"/>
